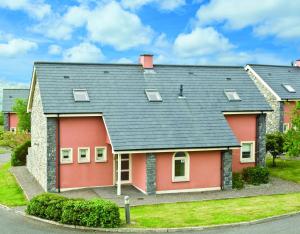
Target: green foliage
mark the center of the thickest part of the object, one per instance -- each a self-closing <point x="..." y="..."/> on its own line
<point x="275" y="144"/>
<point x="256" y="175"/>
<point x="94" y="213"/>
<point x="18" y="157"/>
<point x="20" y="107"/>
<point x="237" y="181"/>
<point x="12" y="140"/>
<point x="1" y="118"/>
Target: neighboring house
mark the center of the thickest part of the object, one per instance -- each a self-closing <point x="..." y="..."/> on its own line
<point x="9" y="98"/>
<point x="281" y="87"/>
<point x="161" y="128"/>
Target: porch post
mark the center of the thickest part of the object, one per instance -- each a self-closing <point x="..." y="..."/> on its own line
<point x="119" y="176"/>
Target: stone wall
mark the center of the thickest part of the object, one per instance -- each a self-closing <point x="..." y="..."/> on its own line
<point x="51" y="154"/>
<point x="261" y="140"/>
<point x="6" y="121"/>
<point x="227" y="169"/>
<point x="150" y="174"/>
<point x="37" y="156"/>
<point x="273" y="118"/>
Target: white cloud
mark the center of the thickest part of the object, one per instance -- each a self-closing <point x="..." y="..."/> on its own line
<point x="201" y="41"/>
<point x="84" y="52"/>
<point x="54" y="49"/>
<point x="269" y="17"/>
<point x="111" y="25"/>
<point x="38" y="8"/>
<point x="15" y="47"/>
<point x="167" y="5"/>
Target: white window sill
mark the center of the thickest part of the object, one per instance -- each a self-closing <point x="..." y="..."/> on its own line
<point x="247" y="161"/>
<point x="84" y="162"/>
<point x="176" y="180"/>
<point x="101" y="161"/>
<point x="66" y="162"/>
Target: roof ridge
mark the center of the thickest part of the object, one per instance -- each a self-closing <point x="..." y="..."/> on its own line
<point x="270" y="65"/>
<point x="16" y="89"/>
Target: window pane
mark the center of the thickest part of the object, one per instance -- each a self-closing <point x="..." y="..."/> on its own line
<point x="83" y="153"/>
<point x="100" y="153"/>
<point x="180" y="154"/>
<point x="246" y="150"/>
<point x="125" y="165"/>
<point x="179" y="167"/>
<point x="124" y="156"/>
<point x="153" y="95"/>
<point x="246" y="155"/>
<point x="246" y="147"/>
<point x="80" y="95"/>
<point x="125" y="175"/>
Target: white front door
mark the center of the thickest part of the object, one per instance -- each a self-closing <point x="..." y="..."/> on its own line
<point x="125" y="168"/>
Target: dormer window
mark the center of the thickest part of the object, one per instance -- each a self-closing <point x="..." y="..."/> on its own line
<point x="289" y="88"/>
<point x="81" y="95"/>
<point x="153" y="95"/>
<point x="232" y="95"/>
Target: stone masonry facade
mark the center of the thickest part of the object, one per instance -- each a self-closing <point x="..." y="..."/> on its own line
<point x="6" y="121"/>
<point x="150" y="174"/>
<point x="273" y="119"/>
<point x="261" y="140"/>
<point x="227" y="169"/>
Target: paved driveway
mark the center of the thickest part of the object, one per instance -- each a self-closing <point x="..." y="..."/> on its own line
<point x="4" y="158"/>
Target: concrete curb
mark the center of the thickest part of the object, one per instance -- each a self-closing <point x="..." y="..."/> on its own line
<point x="147" y="230"/>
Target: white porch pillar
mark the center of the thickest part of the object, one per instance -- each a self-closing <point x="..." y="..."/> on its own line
<point x="119" y="176"/>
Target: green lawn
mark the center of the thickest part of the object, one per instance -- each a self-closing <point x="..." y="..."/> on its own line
<point x="285" y="169"/>
<point x="204" y="213"/>
<point x="10" y="192"/>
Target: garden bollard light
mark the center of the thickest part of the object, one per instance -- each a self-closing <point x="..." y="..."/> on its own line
<point x="127" y="209"/>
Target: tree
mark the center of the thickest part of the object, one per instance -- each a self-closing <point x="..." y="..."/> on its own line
<point x="275" y="145"/>
<point x="1" y="118"/>
<point x="20" y="107"/>
<point x="292" y="137"/>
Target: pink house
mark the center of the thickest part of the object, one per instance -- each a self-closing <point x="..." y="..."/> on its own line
<point x="9" y="97"/>
<point x="160" y="128"/>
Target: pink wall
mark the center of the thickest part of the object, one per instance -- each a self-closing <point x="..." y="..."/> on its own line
<point x="85" y="132"/>
<point x="205" y="171"/>
<point x="288" y="108"/>
<point x="244" y="128"/>
<point x="13" y="120"/>
<point x="139" y="171"/>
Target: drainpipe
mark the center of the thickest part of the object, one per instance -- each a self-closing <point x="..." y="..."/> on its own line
<point x="58" y="147"/>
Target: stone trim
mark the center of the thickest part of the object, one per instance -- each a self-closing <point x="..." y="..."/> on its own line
<point x="226" y="169"/>
<point x="6" y="121"/>
<point x="281" y="116"/>
<point x="150" y="173"/>
<point x="261" y="140"/>
<point x="51" y="154"/>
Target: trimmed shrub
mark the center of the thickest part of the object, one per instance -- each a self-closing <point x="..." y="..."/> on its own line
<point x="94" y="213"/>
<point x="237" y="181"/>
<point x="47" y="206"/>
<point x="256" y="175"/>
<point x="18" y="157"/>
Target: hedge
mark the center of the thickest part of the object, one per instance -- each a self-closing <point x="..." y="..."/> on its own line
<point x="237" y="181"/>
<point x="18" y="157"/>
<point x="256" y="175"/>
<point x="79" y="212"/>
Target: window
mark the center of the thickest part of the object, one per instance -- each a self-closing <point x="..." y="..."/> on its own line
<point x="66" y="155"/>
<point x="153" y="95"/>
<point x="84" y="155"/>
<point x="286" y="127"/>
<point x="100" y="154"/>
<point x="248" y="151"/>
<point x="181" y="167"/>
<point x="232" y="95"/>
<point x="289" y="88"/>
<point x="80" y="95"/>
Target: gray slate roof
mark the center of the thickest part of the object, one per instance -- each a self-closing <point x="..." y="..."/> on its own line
<point x="10" y="95"/>
<point x="132" y="121"/>
<point x="276" y="76"/>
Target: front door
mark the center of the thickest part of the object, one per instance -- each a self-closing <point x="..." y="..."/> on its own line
<point x="125" y="168"/>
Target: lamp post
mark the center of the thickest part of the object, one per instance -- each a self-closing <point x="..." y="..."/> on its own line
<point x="127" y="209"/>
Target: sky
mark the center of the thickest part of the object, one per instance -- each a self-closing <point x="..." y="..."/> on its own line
<point x="214" y="32"/>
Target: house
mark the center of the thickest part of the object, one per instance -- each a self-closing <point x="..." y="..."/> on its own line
<point x="9" y="98"/>
<point x="161" y="128"/>
<point x="280" y="85"/>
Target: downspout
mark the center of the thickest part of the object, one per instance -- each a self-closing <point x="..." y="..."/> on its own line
<point x="58" y="147"/>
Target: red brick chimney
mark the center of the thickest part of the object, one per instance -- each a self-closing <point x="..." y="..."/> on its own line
<point x="146" y="60"/>
<point x="297" y="63"/>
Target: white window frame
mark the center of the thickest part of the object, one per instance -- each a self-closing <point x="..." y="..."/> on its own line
<point x="289" y="88"/>
<point x="252" y="156"/>
<point x="286" y="127"/>
<point x="158" y="96"/>
<point x="88" y="155"/>
<point x="70" y="160"/>
<point x="104" y="154"/>
<point x="81" y="100"/>
<point x="235" y="95"/>
<point x="186" y="177"/>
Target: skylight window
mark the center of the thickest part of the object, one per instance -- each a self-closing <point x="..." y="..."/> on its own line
<point x="153" y="95"/>
<point x="80" y="95"/>
<point x="232" y="95"/>
<point x="289" y="88"/>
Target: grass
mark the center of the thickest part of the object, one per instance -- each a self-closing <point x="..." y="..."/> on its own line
<point x="10" y="192"/>
<point x="204" y="213"/>
<point x="285" y="169"/>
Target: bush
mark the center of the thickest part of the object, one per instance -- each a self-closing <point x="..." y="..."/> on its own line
<point x="47" y="206"/>
<point x="256" y="175"/>
<point x="94" y="213"/>
<point x="237" y="181"/>
<point x="18" y="157"/>
<point x="13" y="140"/>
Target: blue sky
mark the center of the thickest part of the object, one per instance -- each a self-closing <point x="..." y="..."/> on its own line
<point x="226" y="32"/>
